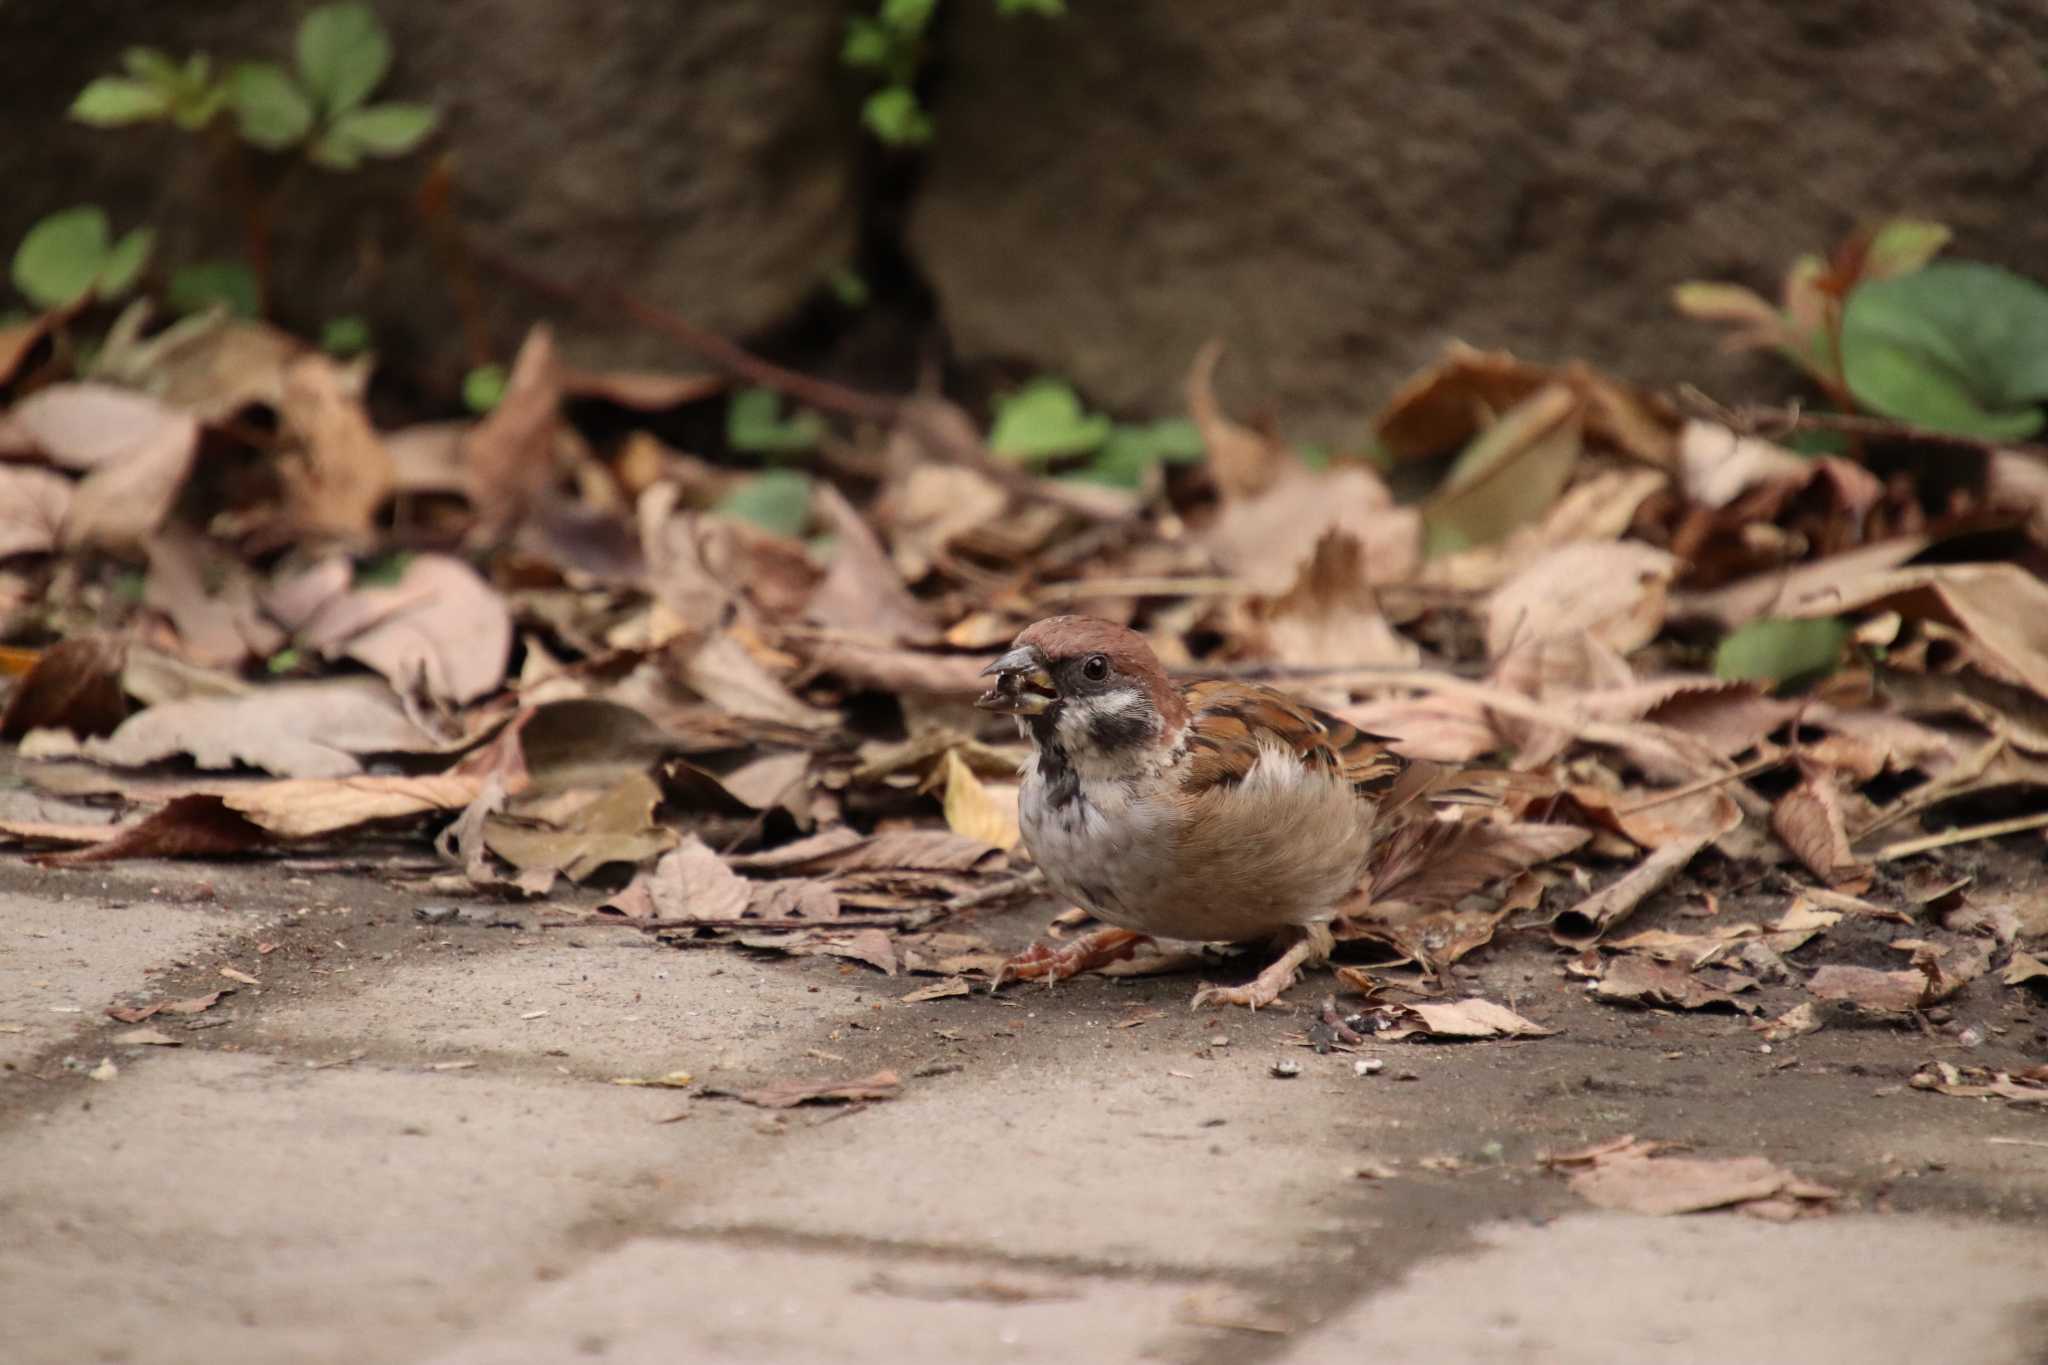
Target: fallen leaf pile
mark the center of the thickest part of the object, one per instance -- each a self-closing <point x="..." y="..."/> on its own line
<point x="1770" y="692"/>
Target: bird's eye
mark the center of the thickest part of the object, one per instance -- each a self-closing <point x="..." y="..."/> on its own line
<point x="1096" y="668"/>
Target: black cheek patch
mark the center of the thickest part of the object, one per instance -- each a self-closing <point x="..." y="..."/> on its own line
<point x="1119" y="729"/>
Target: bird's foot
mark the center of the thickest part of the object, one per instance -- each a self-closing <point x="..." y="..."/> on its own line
<point x="1269" y="985"/>
<point x="1086" y="953"/>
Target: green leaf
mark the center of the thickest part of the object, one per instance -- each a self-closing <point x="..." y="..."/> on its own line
<point x="60" y="258"/>
<point x="1051" y="9"/>
<point x="867" y="44"/>
<point x="333" y="153"/>
<point x="345" y="336"/>
<point x="125" y="263"/>
<point x="908" y="16"/>
<point x="273" y="111"/>
<point x="211" y="284"/>
<point x="754" y="423"/>
<point x="343" y="54"/>
<point x="1903" y="246"/>
<point x="894" y="115"/>
<point x="112" y="102"/>
<point x="1043" y="421"/>
<point x="1958" y="346"/>
<point x="1130" y="451"/>
<point x="483" y="387"/>
<point x="153" y="66"/>
<point x="850" y="287"/>
<point x="778" y="499"/>
<point x="193" y="107"/>
<point x="385" y="129"/>
<point x="381" y="571"/>
<point x="284" y="661"/>
<point x="1780" y="650"/>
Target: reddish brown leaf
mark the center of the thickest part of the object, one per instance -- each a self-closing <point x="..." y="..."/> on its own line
<point x="75" y="686"/>
<point x="883" y="1085"/>
<point x="188" y="827"/>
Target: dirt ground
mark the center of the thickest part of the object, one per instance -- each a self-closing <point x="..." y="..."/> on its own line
<point x="402" y="1143"/>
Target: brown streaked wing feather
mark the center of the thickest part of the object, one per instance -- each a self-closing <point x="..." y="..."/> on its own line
<point x="1230" y="723"/>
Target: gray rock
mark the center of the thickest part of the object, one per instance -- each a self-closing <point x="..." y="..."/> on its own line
<point x="1337" y="188"/>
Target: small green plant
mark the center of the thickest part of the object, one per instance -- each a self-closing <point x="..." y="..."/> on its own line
<point x="776" y="499"/>
<point x="1777" y="651"/>
<point x="891" y="46"/>
<point x="320" y="105"/>
<point x="345" y="336"/>
<point x="754" y="424"/>
<point x="72" y="255"/>
<point x="1045" y="421"/>
<point x="483" y="388"/>
<point x="1880" y="325"/>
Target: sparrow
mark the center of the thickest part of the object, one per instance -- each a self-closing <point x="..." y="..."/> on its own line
<point x="1215" y="811"/>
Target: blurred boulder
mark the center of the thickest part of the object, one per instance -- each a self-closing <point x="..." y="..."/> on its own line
<point x="1337" y="188"/>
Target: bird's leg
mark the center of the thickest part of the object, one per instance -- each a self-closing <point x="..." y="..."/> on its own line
<point x="1311" y="943"/>
<point x="1091" y="950"/>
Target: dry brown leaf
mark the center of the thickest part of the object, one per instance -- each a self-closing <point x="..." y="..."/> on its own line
<point x="1796" y="1022"/>
<point x="74" y="685"/>
<point x="211" y="366"/>
<point x="689" y="882"/>
<point x="339" y="473"/>
<point x="1592" y="917"/>
<point x="1716" y="466"/>
<point x="509" y="457"/>
<point x="440" y="629"/>
<point x="1868" y="988"/>
<point x="883" y="1085"/>
<point x="722" y="671"/>
<point x="2002" y="609"/>
<point x="1264" y="539"/>
<point x="1631" y="1180"/>
<point x="33" y="506"/>
<point x="986" y="814"/>
<point x="1510" y="474"/>
<point x="938" y="990"/>
<point x="187" y="827"/>
<point x="646" y="390"/>
<point x="1612" y="590"/>
<point x="2026" y="970"/>
<point x="311" y="729"/>
<point x="1656" y="985"/>
<point x="145" y="1037"/>
<point x="136" y="451"/>
<point x="1809" y="819"/>
<point x="197" y="1004"/>
<point x="1458" y="1019"/>
<point x="1330" y="616"/>
<point x="934" y="507"/>
<point x="768" y="781"/>
<point x="841" y="850"/>
<point x="301" y="808"/>
<point x="18" y="340"/>
<point x="1243" y="462"/>
<point x="1947" y="1079"/>
<point x="210" y="600"/>
<point x="884" y="668"/>
<point x="613" y="825"/>
<point x="861" y="593"/>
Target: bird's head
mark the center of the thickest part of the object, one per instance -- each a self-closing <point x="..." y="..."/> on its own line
<point x="1087" y="681"/>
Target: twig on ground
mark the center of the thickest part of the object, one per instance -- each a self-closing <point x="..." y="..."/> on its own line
<point x="1967" y="834"/>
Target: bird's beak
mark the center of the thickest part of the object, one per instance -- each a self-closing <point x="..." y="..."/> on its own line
<point x="1022" y="686"/>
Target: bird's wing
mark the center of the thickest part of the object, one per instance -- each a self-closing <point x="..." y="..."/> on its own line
<point x="1231" y="724"/>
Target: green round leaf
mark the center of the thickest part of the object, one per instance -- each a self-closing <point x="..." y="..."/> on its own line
<point x="1051" y="9"/>
<point x="61" y="257"/>
<point x="867" y="44"/>
<point x="125" y="263"/>
<point x="1780" y="650"/>
<point x="754" y="423"/>
<point x="343" y="54"/>
<point x="908" y="16"/>
<point x="1043" y="421"/>
<point x="1958" y="346"/>
<point x="483" y="387"/>
<point x="212" y="284"/>
<point x="345" y="336"/>
<point x="778" y="499"/>
<point x="894" y="115"/>
<point x="385" y="129"/>
<point x="151" y="66"/>
<point x="273" y="111"/>
<point x="111" y="102"/>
